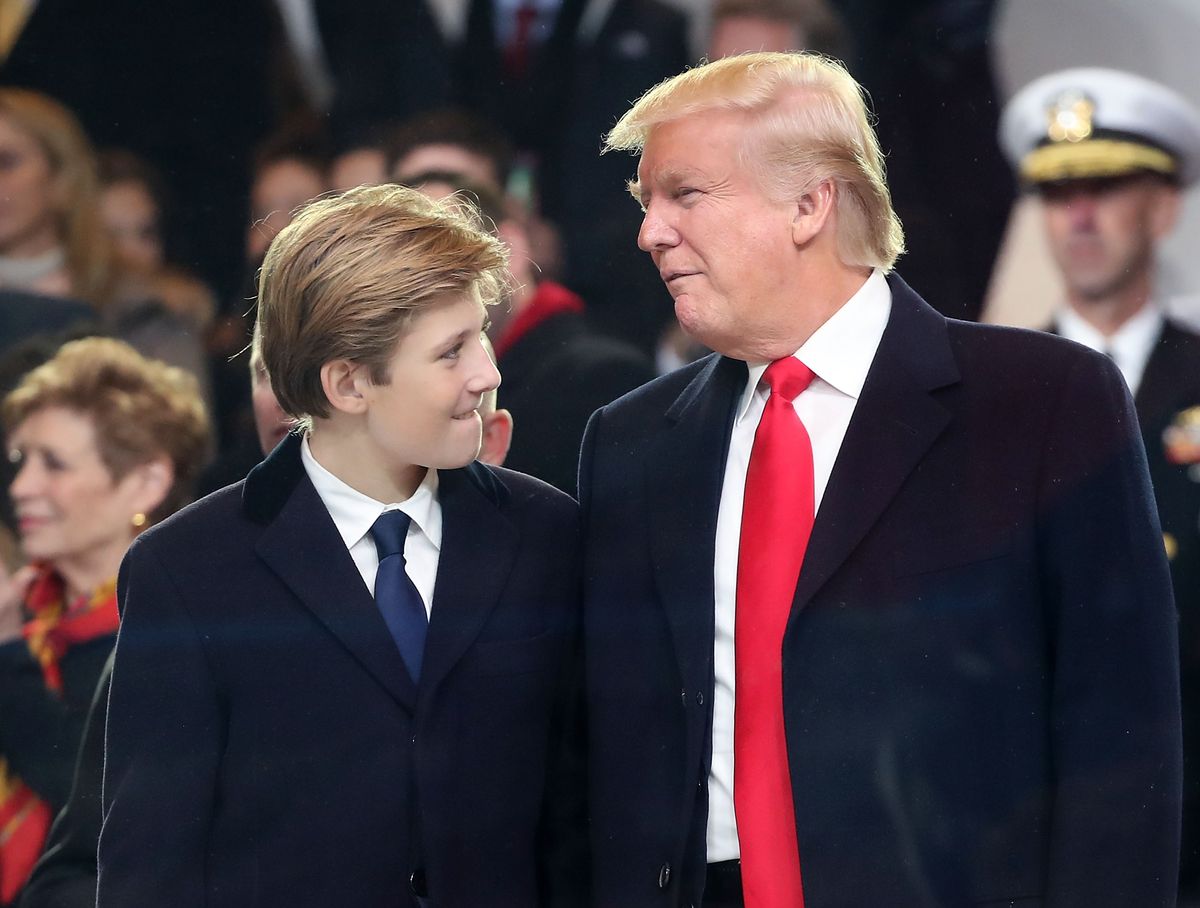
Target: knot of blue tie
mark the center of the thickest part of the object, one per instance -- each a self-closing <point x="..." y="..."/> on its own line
<point x="389" y="532"/>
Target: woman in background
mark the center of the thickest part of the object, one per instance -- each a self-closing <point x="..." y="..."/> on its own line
<point x="106" y="443"/>
<point x="52" y="242"/>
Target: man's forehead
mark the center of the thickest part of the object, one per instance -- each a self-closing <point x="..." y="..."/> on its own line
<point x="664" y="173"/>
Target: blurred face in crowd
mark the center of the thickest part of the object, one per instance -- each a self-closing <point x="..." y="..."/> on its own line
<point x="279" y="189"/>
<point x="1103" y="232"/>
<point x="69" y="507"/>
<point x="740" y="34"/>
<point x="719" y="243"/>
<point x="131" y="217"/>
<point x="358" y="167"/>
<point x="472" y="167"/>
<point x="271" y="423"/>
<point x="29" y="195"/>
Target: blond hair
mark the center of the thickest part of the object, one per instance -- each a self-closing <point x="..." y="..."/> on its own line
<point x="140" y="409"/>
<point x="72" y="162"/>
<point x="806" y="121"/>
<point x="346" y="276"/>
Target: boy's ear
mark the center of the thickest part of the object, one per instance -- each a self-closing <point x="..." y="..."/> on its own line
<point x="497" y="436"/>
<point x="341" y="380"/>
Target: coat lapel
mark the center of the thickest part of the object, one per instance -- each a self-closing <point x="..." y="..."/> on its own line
<point x="685" y="492"/>
<point x="301" y="545"/>
<point x="479" y="547"/>
<point x="894" y="423"/>
<point x="1159" y="388"/>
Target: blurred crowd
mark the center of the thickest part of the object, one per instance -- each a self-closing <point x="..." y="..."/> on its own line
<point x="149" y="153"/>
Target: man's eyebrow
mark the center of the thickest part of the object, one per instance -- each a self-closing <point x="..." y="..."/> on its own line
<point x="635" y="190"/>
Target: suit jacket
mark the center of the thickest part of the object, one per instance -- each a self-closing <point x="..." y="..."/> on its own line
<point x="555" y="376"/>
<point x="980" y="686"/>
<point x="65" y="875"/>
<point x="1171" y="385"/>
<point x="598" y="58"/>
<point x="266" y="746"/>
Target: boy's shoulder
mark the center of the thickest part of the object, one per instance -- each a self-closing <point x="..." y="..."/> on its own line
<point x="511" y="491"/>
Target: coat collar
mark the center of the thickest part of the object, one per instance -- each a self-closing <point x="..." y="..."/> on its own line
<point x="301" y="545"/>
<point x="895" y="421"/>
<point x="685" y="492"/>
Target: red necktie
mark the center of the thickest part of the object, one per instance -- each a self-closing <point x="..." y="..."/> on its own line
<point x="516" y="54"/>
<point x="777" y="519"/>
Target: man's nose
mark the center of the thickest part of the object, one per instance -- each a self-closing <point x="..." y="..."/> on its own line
<point x="1083" y="210"/>
<point x="655" y="232"/>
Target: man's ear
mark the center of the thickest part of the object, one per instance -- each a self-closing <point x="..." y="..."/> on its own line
<point x="342" y="382"/>
<point x="497" y="436"/>
<point x="812" y="211"/>
<point x="1165" y="211"/>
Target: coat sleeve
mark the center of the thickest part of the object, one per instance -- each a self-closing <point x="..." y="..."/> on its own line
<point x="40" y="730"/>
<point x="1115" y="728"/>
<point x="163" y="747"/>
<point x="65" y="875"/>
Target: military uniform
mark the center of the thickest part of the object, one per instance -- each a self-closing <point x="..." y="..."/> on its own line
<point x="1099" y="125"/>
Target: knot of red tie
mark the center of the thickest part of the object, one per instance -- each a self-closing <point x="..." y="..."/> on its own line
<point x="788" y="377"/>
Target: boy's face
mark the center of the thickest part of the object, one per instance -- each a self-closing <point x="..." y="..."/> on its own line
<point x="428" y="413"/>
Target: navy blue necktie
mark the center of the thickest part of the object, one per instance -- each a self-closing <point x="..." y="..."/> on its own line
<point x="395" y="595"/>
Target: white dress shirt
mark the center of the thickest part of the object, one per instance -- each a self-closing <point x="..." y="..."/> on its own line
<point x="839" y="353"/>
<point x="1131" y="345"/>
<point x="354" y="513"/>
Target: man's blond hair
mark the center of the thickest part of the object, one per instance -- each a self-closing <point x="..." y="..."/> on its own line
<point x="344" y="279"/>
<point x="806" y="121"/>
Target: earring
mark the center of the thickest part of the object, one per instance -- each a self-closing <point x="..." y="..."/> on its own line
<point x="139" y="520"/>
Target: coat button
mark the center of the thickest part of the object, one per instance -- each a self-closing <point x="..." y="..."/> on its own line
<point x="699" y="698"/>
<point x="683" y="696"/>
<point x="417" y="883"/>
<point x="664" y="876"/>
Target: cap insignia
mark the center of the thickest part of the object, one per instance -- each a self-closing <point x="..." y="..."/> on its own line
<point x="1069" y="118"/>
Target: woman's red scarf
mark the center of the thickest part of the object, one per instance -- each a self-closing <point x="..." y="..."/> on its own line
<point x="54" y="626"/>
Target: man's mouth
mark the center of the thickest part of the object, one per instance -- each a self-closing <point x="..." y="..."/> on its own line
<point x="674" y="275"/>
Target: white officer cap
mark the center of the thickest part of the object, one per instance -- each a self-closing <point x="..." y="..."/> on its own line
<point x="1094" y="123"/>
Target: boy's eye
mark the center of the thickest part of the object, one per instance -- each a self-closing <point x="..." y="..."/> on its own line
<point x="453" y="352"/>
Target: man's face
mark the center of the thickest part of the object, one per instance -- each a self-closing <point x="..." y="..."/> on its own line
<point x="445" y="158"/>
<point x="270" y="422"/>
<point x="278" y="190"/>
<point x="428" y="412"/>
<point x="739" y="34"/>
<point x="722" y="247"/>
<point x="1103" y="232"/>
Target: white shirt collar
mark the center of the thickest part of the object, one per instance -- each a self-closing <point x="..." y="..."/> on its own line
<point x="840" y="352"/>
<point x="354" y="513"/>
<point x="1130" y="346"/>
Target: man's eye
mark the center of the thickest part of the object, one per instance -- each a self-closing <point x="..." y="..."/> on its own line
<point x="453" y="352"/>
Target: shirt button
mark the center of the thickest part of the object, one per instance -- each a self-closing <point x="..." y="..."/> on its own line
<point x="664" y="876"/>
